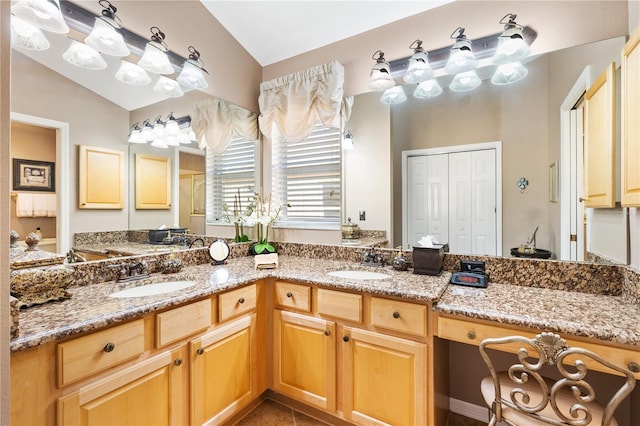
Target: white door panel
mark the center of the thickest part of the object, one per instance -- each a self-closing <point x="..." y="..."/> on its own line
<point x="483" y="202"/>
<point x="460" y="205"/>
<point x="438" y="196"/>
<point x="416" y="193"/>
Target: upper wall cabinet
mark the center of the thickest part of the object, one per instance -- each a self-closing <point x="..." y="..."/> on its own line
<point x="599" y="145"/>
<point x="630" y="89"/>
<point x="153" y="182"/>
<point x="101" y="178"/>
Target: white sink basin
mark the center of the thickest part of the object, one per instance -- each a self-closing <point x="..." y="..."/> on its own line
<point x="356" y="274"/>
<point x="153" y="289"/>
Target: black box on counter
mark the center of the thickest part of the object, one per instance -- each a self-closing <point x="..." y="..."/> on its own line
<point x="428" y="260"/>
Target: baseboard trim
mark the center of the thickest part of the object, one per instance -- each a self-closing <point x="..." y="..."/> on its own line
<point x="468" y="409"/>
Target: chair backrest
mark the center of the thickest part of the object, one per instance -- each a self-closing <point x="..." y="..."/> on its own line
<point x="551" y="349"/>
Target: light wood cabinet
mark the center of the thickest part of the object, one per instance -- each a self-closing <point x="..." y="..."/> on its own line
<point x="148" y="392"/>
<point x="101" y="178"/>
<point x="223" y="371"/>
<point x="384" y="378"/>
<point x="599" y="145"/>
<point x="153" y="182"/>
<point x="305" y="358"/>
<point x="630" y="144"/>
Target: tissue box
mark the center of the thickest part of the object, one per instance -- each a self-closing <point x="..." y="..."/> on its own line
<point x="428" y="260"/>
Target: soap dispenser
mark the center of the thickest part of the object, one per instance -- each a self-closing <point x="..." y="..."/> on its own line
<point x="400" y="262"/>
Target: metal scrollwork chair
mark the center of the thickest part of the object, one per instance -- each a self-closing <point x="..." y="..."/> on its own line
<point x="523" y="396"/>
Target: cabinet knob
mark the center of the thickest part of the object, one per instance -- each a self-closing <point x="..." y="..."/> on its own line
<point x="289" y="294"/>
<point x="396" y="315"/>
<point x="177" y="362"/>
<point x="200" y="351"/>
<point x="241" y="300"/>
<point x="327" y="333"/>
<point x="345" y="339"/>
<point x="634" y="367"/>
<point x="109" y="347"/>
<point x="471" y="335"/>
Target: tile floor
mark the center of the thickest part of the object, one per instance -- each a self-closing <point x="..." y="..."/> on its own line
<point x="270" y="413"/>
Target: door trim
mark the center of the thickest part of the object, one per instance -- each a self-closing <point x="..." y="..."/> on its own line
<point x="497" y="145"/>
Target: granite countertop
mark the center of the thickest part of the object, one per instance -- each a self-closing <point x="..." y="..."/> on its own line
<point x="608" y="318"/>
<point x="90" y="307"/>
<point x="127" y="248"/>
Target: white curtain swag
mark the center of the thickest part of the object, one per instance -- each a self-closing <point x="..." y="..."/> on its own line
<point x="214" y="121"/>
<point x="292" y="104"/>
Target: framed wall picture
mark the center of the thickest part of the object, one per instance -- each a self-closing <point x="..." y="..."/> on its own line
<point x="31" y="175"/>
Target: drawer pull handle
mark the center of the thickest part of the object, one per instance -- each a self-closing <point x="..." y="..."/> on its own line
<point x="289" y="295"/>
<point x="200" y="351"/>
<point x="396" y="315"/>
<point x="241" y="300"/>
<point x="109" y="347"/>
<point x="471" y="335"/>
<point x="177" y="362"/>
<point x="345" y="339"/>
<point x="327" y="333"/>
<point x="634" y="367"/>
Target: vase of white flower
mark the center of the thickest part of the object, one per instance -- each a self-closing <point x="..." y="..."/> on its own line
<point x="238" y="216"/>
<point x="263" y="217"/>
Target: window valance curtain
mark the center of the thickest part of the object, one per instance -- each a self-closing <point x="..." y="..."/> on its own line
<point x="292" y="104"/>
<point x="215" y="120"/>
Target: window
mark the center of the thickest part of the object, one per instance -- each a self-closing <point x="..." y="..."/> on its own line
<point x="307" y="176"/>
<point x="227" y="173"/>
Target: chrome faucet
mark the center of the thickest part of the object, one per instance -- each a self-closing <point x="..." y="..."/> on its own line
<point x="372" y="257"/>
<point x="131" y="271"/>
<point x="197" y="239"/>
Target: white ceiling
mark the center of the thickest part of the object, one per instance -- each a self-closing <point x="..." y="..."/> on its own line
<point x="272" y="31"/>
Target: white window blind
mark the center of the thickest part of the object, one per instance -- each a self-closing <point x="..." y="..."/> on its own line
<point x="307" y="176"/>
<point x="229" y="172"/>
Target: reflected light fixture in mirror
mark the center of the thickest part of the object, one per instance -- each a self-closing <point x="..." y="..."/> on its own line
<point x="347" y="140"/>
<point x="192" y="74"/>
<point x="511" y="44"/>
<point x="509" y="73"/>
<point x="132" y="74"/>
<point x="427" y="89"/>
<point x="465" y="81"/>
<point x="135" y="136"/>
<point x="394" y="95"/>
<point x="380" y="78"/>
<point x="27" y="36"/>
<point x="419" y="68"/>
<point x="104" y="37"/>
<point x="83" y="56"/>
<point x="172" y="132"/>
<point x="44" y="14"/>
<point x="168" y="87"/>
<point x="155" y="57"/>
<point x="461" y="57"/>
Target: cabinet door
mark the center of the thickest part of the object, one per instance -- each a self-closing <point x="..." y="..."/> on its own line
<point x="599" y="145"/>
<point x="149" y="392"/>
<point x="223" y="371"/>
<point x="305" y="359"/>
<point x="630" y="155"/>
<point x="153" y="182"/>
<point x="101" y="177"/>
<point x="384" y="378"/>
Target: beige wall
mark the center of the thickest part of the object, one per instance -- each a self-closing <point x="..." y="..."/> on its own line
<point x="32" y="143"/>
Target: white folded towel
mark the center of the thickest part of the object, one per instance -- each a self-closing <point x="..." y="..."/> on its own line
<point x="24" y="205"/>
<point x="44" y="205"/>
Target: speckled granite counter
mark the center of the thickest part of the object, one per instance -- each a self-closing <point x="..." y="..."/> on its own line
<point x="91" y="308"/>
<point x="609" y="318"/>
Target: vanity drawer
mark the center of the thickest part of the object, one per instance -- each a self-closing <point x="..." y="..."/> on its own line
<point x="87" y="355"/>
<point x="295" y="296"/>
<point x="337" y="304"/>
<point x="474" y="333"/>
<point x="399" y="316"/>
<point x="180" y="322"/>
<point x="237" y="302"/>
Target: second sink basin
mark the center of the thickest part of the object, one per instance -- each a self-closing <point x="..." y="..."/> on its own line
<point x="356" y="274"/>
<point x="152" y="289"/>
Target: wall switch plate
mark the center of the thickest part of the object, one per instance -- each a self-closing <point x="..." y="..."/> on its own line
<point x="363" y="215"/>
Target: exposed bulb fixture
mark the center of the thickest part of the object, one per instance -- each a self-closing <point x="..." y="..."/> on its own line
<point x="192" y="74"/>
<point x="347" y="140"/>
<point x="465" y="81"/>
<point x="167" y="87"/>
<point x="132" y="74"/>
<point x="135" y="136"/>
<point x="380" y="78"/>
<point x="461" y="57"/>
<point x="44" y="14"/>
<point x="394" y="95"/>
<point x="147" y="131"/>
<point x="159" y="143"/>
<point x="155" y="57"/>
<point x="511" y="44"/>
<point x="158" y="128"/>
<point x="509" y="73"/>
<point x="83" y="56"/>
<point x="419" y="68"/>
<point x="26" y="35"/>
<point x="105" y="37"/>
<point x="171" y="126"/>
<point x="427" y="89"/>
